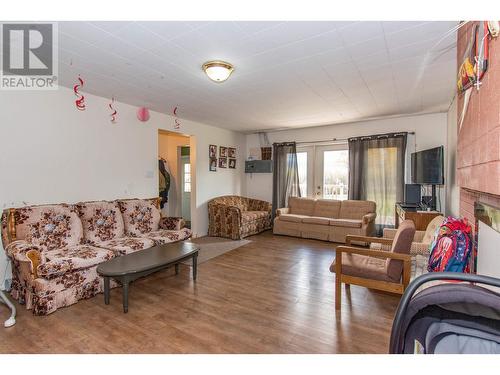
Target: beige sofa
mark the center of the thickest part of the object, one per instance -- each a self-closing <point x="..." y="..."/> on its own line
<point x="325" y="219"/>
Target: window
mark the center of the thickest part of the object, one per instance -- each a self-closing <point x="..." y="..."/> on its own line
<point x="302" y="165"/>
<point x="381" y="182"/>
<point x="187" y="178"/>
<point x="335" y="174"/>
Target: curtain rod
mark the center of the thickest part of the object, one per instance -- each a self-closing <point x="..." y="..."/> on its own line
<point x="339" y="139"/>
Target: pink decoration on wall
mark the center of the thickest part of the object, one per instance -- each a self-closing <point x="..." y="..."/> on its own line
<point x="80" y="102"/>
<point x="114" y="112"/>
<point x="143" y="114"/>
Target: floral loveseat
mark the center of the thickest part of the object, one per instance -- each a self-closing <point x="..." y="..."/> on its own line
<point x="55" y="249"/>
<point x="236" y="217"/>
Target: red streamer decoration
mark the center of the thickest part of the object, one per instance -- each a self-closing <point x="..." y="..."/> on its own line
<point x="113" y="114"/>
<point x="177" y="123"/>
<point x="80" y="102"/>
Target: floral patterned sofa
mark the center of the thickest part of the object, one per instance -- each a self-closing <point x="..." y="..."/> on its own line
<point x="55" y="249"/>
<point x="236" y="217"/>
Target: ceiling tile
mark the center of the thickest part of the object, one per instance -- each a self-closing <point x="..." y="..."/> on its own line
<point x="286" y="73"/>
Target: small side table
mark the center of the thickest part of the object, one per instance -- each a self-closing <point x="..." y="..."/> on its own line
<point x="12" y="320"/>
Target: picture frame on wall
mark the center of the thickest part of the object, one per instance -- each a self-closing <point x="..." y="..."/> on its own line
<point x="232" y="163"/>
<point x="222" y="162"/>
<point x="212" y="151"/>
<point x="231" y="152"/>
<point x="222" y="152"/>
<point x="213" y="165"/>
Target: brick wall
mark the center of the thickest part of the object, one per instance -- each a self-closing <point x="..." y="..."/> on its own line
<point x="478" y="144"/>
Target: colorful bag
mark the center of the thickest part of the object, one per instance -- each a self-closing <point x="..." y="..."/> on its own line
<point x="451" y="251"/>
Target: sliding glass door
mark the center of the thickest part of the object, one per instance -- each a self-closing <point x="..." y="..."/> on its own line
<point x="324" y="171"/>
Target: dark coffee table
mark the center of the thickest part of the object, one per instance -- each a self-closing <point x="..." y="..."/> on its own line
<point x="130" y="267"/>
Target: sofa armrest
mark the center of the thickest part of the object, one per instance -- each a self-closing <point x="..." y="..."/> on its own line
<point x="172" y="223"/>
<point x="368" y="218"/>
<point x="28" y="256"/>
<point x="281" y="211"/>
<point x="259" y="205"/>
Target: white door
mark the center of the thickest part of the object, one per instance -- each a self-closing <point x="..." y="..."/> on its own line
<point x="186" y="187"/>
<point x="331" y="175"/>
<point x="324" y="171"/>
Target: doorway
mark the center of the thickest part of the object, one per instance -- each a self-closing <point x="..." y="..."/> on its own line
<point x="185" y="168"/>
<point x="174" y="151"/>
<point x="324" y="171"/>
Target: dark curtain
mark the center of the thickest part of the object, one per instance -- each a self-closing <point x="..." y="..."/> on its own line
<point x="285" y="174"/>
<point x="376" y="172"/>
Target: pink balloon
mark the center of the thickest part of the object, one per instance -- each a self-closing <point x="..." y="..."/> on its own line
<point x="143" y="114"/>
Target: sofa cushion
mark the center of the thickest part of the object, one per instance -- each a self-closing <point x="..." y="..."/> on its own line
<point x="163" y="236"/>
<point x="292" y="217"/>
<point x="61" y="261"/>
<point x="400" y="244"/>
<point x="316" y="220"/>
<point x="127" y="245"/>
<point x="249" y="216"/>
<point x="301" y="206"/>
<point x="348" y="223"/>
<point x="431" y="230"/>
<point x="53" y="227"/>
<point x="351" y="209"/>
<point x="101" y="221"/>
<point x="140" y="216"/>
<point x="363" y="266"/>
<point x="329" y="208"/>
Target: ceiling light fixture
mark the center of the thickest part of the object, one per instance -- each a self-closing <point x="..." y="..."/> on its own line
<point x="218" y="71"/>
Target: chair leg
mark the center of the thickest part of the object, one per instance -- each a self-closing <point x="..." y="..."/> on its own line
<point x="338" y="282"/>
<point x="338" y="292"/>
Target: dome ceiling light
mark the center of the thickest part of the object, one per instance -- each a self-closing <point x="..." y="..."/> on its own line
<point x="218" y="71"/>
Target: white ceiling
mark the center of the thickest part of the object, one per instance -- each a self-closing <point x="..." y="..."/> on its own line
<point x="287" y="74"/>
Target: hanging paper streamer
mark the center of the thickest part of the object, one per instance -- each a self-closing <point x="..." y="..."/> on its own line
<point x="177" y="123"/>
<point x="143" y="114"/>
<point x="114" y="112"/>
<point x="80" y="102"/>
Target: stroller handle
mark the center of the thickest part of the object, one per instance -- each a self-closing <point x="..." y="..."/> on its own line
<point x="419" y="281"/>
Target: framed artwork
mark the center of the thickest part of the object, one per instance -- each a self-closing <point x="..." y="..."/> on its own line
<point x="222" y="152"/>
<point x="213" y="165"/>
<point x="232" y="163"/>
<point x="212" y="151"/>
<point x="222" y="162"/>
<point x="231" y="152"/>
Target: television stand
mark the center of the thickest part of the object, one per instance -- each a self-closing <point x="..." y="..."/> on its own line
<point x="420" y="218"/>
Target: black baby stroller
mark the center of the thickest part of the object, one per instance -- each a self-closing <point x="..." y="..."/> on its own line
<point x="449" y="317"/>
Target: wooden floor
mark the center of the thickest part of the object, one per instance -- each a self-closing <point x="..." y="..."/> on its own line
<point x="274" y="295"/>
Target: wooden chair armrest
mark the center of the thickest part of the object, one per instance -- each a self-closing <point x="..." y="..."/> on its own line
<point x="372" y="253"/>
<point x="351" y="237"/>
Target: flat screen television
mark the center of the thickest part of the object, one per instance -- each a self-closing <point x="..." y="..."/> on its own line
<point x="427" y="167"/>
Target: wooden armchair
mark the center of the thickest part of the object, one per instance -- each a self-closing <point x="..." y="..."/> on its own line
<point x="375" y="269"/>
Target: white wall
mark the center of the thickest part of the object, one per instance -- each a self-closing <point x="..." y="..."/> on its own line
<point x="452" y="189"/>
<point x="430" y="131"/>
<point x="50" y="153"/>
